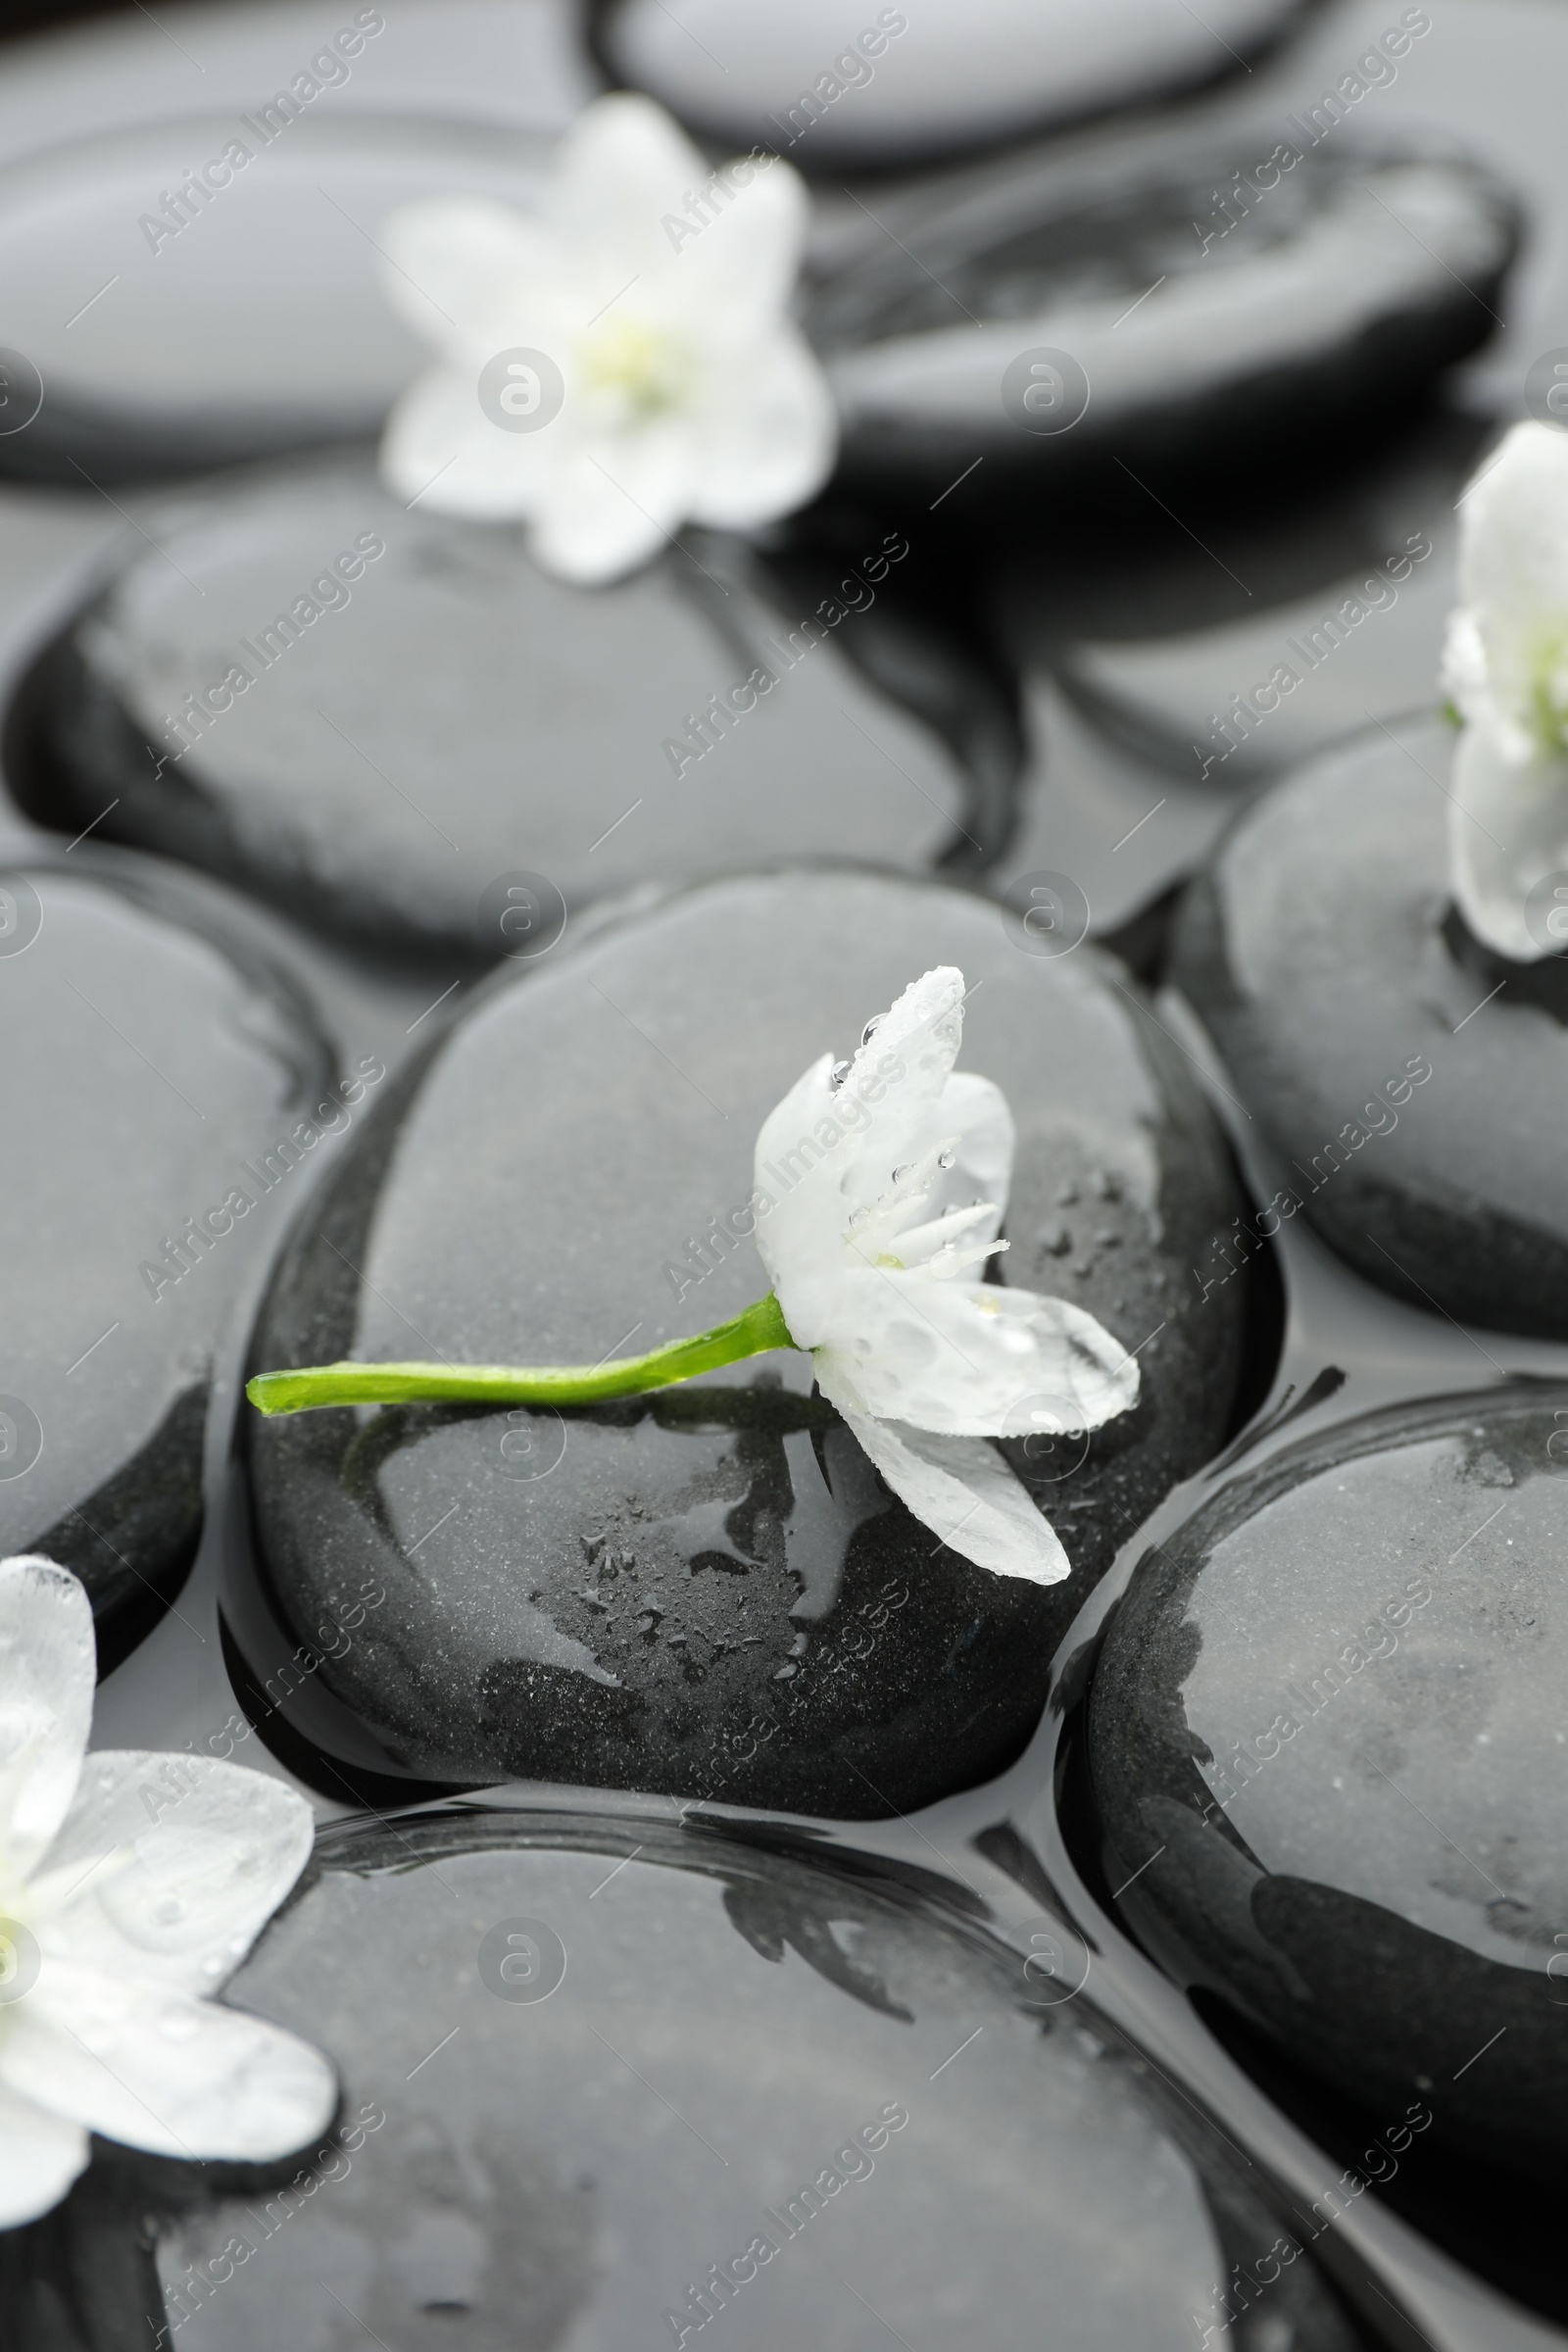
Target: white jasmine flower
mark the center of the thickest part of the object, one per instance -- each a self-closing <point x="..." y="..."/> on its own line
<point x="880" y="1189"/>
<point x="658" y="292"/>
<point x="130" y="1887"/>
<point x="1505" y="667"/>
<point x="875" y="1253"/>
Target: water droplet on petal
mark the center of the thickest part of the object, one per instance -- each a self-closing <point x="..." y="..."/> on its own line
<point x="837" y="1075"/>
<point x="871" y="1028"/>
<point x="947" y="1160"/>
<point x="899" y="1174"/>
<point x="858" y="1216"/>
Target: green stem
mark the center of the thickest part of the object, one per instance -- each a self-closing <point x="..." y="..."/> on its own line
<point x="758" y="1328"/>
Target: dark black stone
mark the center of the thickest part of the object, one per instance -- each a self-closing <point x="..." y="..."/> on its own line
<point x="1319" y="948"/>
<point x="1175" y="651"/>
<point x="833" y="95"/>
<point x="455" y="721"/>
<point x="1336" y="296"/>
<point x="248" y="320"/>
<point x="566" y="2157"/>
<point x="146" y="1052"/>
<point x="1141" y="652"/>
<point x="707" y="1590"/>
<point x="1325" y="1731"/>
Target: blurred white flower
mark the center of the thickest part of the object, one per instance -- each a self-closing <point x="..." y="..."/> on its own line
<point x="869" y="1250"/>
<point x="1506" y="667"/>
<point x="122" y="1907"/>
<point x="673" y="385"/>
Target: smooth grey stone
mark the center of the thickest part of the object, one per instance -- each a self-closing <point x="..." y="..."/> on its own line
<point x="707" y="2060"/>
<point x="450" y="718"/>
<point x="903" y="85"/>
<point x="707" y="1590"/>
<point x="150" y="1059"/>
<point x="1321" y="950"/>
<point x="169" y="337"/>
<point x="1069" y="322"/>
<point x="1328" y="1718"/>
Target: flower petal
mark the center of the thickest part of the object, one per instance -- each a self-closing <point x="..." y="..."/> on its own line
<point x="168" y="1867"/>
<point x="449" y="265"/>
<point x="815" y="1183"/>
<point x="1464" y="665"/>
<point x="1508" y="830"/>
<point x="962" y="1489"/>
<point x="971" y="1358"/>
<point x="40" y="2156"/>
<point x="440" y="448"/>
<point x="607" y="507"/>
<point x="1514" y="534"/>
<point x="622" y="165"/>
<point x="48" y="1668"/>
<point x="748" y="255"/>
<point x="977" y="1111"/>
<point x="770" y="432"/>
<point x="719" y="409"/>
<point x="151" y="2067"/>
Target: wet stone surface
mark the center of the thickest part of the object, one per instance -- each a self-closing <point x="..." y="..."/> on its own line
<point x="1235" y="666"/>
<point x="244" y="317"/>
<point x="1225" y="665"/>
<point x="830" y="95"/>
<point x="599" y="2072"/>
<point x="189" y="1063"/>
<point x="1419" y="1126"/>
<point x="1057" y="324"/>
<point x="1328" y="1718"/>
<point x="387" y="721"/>
<point x="706" y="1591"/>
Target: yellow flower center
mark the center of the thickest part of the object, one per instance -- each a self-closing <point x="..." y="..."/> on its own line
<point x="634" y="367"/>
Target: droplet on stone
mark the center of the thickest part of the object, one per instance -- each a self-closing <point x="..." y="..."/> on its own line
<point x="747" y="1493"/>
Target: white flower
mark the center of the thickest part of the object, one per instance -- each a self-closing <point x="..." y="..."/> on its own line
<point x="1506" y="665"/>
<point x="874" y="1251"/>
<point x="130" y="1886"/>
<point x="659" y="293"/>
